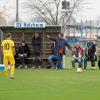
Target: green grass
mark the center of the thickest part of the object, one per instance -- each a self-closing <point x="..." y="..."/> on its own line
<point x="46" y="84"/>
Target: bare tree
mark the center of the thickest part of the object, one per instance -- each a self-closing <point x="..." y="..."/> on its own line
<point x="51" y="11"/>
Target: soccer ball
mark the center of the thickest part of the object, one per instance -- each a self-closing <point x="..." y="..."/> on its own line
<point x="79" y="70"/>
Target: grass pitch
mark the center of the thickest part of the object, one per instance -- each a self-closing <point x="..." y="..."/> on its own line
<point x="46" y="84"/>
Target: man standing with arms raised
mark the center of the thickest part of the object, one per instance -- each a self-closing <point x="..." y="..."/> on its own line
<point x="59" y="49"/>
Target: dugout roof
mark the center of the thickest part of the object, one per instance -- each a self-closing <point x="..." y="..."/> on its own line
<point x="6" y="29"/>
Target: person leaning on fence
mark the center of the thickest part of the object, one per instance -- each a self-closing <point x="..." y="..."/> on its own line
<point x="59" y="49"/>
<point x="77" y="54"/>
<point x="90" y="54"/>
<point x="23" y="53"/>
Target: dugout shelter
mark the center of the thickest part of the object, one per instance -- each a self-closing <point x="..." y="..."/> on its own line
<point x="24" y="31"/>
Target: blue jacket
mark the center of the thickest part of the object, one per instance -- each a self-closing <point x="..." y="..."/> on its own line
<point x="60" y="45"/>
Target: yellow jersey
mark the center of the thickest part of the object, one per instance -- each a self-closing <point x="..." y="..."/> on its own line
<point x="7" y="46"/>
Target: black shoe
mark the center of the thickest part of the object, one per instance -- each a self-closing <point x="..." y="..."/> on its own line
<point x="12" y="77"/>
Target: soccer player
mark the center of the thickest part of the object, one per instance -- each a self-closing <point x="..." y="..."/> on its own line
<point x="90" y="54"/>
<point x="7" y="47"/>
<point x="77" y="54"/>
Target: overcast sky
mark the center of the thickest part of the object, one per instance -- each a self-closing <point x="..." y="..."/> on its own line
<point x="91" y="11"/>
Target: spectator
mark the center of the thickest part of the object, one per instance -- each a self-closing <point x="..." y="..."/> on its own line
<point x="77" y="53"/>
<point x="53" y="60"/>
<point x="59" y="49"/>
<point x="36" y="44"/>
<point x="23" y="53"/>
<point x="99" y="62"/>
<point x="16" y="54"/>
<point x="90" y="54"/>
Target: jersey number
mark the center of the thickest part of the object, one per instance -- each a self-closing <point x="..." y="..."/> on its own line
<point x="6" y="46"/>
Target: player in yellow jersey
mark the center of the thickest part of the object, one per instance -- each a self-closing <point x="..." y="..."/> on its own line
<point x="7" y="47"/>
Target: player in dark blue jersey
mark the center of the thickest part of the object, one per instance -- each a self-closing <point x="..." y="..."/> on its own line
<point x="90" y="54"/>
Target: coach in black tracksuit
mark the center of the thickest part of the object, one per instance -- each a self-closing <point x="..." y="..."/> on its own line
<point x="36" y="44"/>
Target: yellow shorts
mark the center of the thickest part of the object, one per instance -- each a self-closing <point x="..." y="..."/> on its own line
<point x="8" y="59"/>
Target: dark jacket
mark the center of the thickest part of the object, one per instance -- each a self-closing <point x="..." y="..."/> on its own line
<point x="91" y="49"/>
<point x="36" y="43"/>
<point x="60" y="45"/>
<point x="24" y="49"/>
<point x="52" y="48"/>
